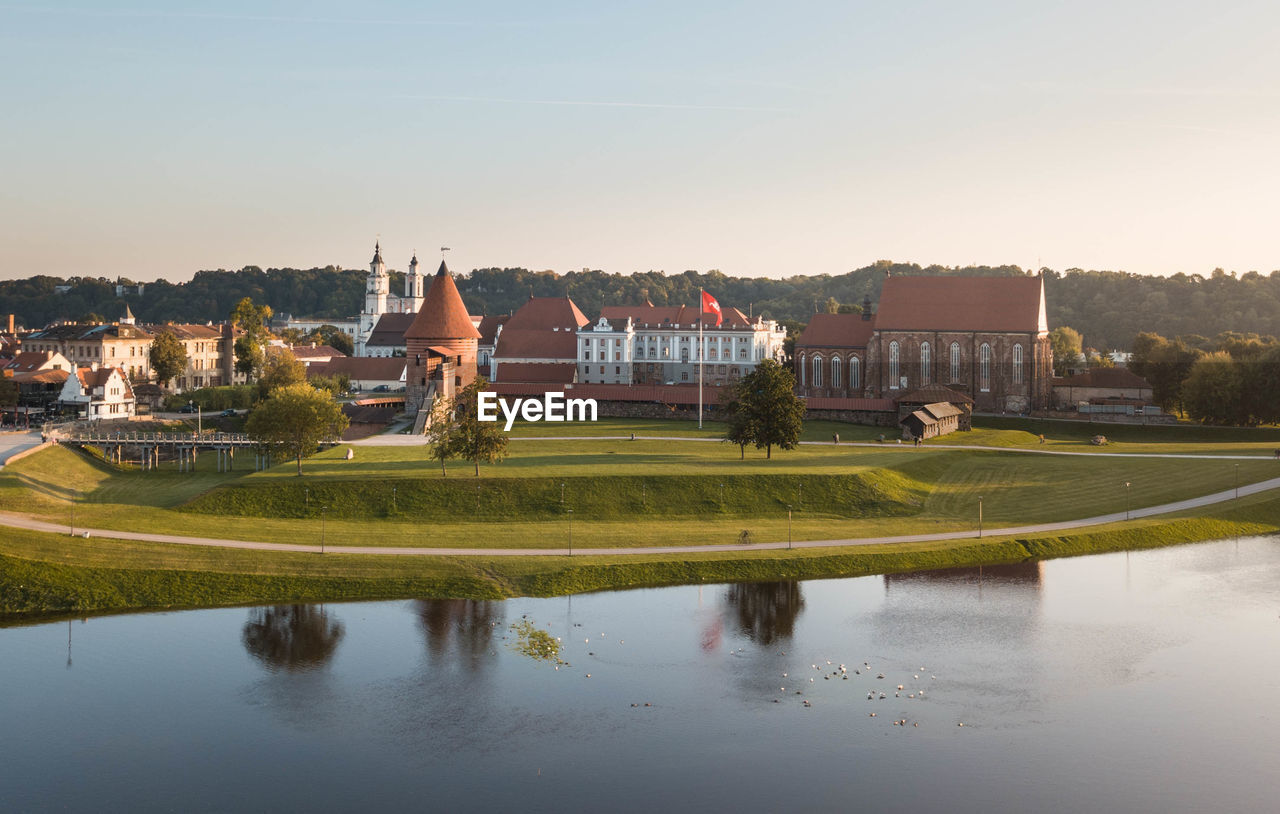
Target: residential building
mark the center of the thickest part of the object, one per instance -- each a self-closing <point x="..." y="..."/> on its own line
<point x="97" y="393"/>
<point x="211" y="360"/>
<point x="120" y="344"/>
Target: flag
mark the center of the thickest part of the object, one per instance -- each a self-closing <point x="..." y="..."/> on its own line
<point x="709" y="305"/>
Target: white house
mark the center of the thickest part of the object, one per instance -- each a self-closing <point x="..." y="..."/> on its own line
<point x="98" y="393"/>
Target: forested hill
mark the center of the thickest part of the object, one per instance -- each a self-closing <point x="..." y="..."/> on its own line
<point x="1107" y="307"/>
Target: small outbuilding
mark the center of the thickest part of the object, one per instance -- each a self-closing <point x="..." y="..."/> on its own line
<point x="931" y="420"/>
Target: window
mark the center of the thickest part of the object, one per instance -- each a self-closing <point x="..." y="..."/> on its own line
<point x="742" y="353"/>
<point x="1017" y="364"/>
<point x="955" y="361"/>
<point x="835" y="372"/>
<point x="817" y="371"/>
<point x="617" y="356"/>
<point x="926" y="362"/>
<point x="894" y="367"/>
<point x="617" y="370"/>
<point x="984" y="376"/>
<point x="601" y="356"/>
<point x="684" y="377"/>
<point x="653" y="353"/>
<point x="855" y="372"/>
<point x="802" y="377"/>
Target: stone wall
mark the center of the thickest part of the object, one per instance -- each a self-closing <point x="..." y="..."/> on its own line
<point x="871" y="418"/>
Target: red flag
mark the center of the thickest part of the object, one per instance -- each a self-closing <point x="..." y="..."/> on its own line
<point x="709" y="305"/>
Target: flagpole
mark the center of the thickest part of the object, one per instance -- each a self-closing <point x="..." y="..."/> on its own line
<point x="701" y="354"/>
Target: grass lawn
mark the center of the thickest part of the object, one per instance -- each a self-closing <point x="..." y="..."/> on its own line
<point x="623" y="493"/>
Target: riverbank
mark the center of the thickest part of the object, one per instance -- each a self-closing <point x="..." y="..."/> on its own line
<point x="46" y="576"/>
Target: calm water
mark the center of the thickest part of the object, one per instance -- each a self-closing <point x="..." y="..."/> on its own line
<point x="1140" y="682"/>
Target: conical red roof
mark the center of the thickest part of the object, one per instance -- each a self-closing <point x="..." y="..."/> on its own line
<point x="442" y="315"/>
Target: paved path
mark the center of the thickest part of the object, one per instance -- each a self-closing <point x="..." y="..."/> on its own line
<point x="419" y="440"/>
<point x="18" y="521"/>
<point x="11" y="443"/>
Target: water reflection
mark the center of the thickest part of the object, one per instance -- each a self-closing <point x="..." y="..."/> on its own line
<point x="765" y="611"/>
<point x="296" y="638"/>
<point x="1017" y="574"/>
<point x="460" y="630"/>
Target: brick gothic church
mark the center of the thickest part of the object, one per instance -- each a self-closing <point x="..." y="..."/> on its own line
<point x="441" y="345"/>
<point x="986" y="337"/>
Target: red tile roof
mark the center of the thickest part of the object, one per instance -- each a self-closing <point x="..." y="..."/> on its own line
<point x="962" y="304"/>
<point x="43" y="377"/>
<point x="389" y="330"/>
<point x="836" y="331"/>
<point x="318" y="352"/>
<point x="442" y="316"/>
<point x="545" y="313"/>
<point x="188" y="331"/>
<point x="548" y="372"/>
<point x="517" y="343"/>
<point x="380" y="368"/>
<point x="671" y="315"/>
<point x="489" y="326"/>
<point x="933" y="393"/>
<point x="28" y="361"/>
<point x="668" y="394"/>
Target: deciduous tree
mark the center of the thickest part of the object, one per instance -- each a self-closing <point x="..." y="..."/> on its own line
<point x="168" y="357"/>
<point x="768" y="412"/>
<point x="295" y="421"/>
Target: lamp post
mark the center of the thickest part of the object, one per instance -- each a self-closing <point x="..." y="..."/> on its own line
<point x="323" y="509"/>
<point x="306" y="495"/>
<point x="393" y="499"/>
<point x="979" y="515"/>
<point x="1237" y="481"/>
<point x="75" y="496"/>
<point x="788" y="526"/>
<point x="722" y="496"/>
<point x="1126" y="500"/>
<point x="561" y="493"/>
<point x="571" y="532"/>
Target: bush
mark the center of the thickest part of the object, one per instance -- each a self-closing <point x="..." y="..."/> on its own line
<point x="213" y="399"/>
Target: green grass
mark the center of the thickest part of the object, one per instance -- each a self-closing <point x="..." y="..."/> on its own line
<point x="43" y="575"/>
<point x="624" y="494"/>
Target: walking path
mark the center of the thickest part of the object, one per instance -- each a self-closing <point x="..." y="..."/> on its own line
<point x="419" y="440"/>
<point x="11" y="443"/>
<point x="18" y="521"/>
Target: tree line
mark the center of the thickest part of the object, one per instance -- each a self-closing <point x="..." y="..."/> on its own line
<point x="1233" y="379"/>
<point x="1107" y="307"/>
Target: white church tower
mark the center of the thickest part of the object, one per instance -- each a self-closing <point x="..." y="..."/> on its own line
<point x="412" y="288"/>
<point x="377" y="287"/>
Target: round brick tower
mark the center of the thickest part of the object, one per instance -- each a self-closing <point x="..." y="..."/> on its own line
<point x="441" y="343"/>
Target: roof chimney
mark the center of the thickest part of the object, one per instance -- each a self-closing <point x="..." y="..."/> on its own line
<point x="866" y="308"/>
<point x="11" y="330"/>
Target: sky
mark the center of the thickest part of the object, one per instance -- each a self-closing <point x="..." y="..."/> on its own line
<point x="154" y="139"/>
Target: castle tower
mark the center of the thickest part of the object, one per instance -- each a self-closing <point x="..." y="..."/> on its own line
<point x="413" y="287"/>
<point x="441" y="344"/>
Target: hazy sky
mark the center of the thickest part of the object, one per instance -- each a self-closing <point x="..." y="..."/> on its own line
<point x="761" y="138"/>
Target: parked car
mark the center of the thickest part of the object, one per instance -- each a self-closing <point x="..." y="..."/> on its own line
<point x="228" y="413"/>
<point x="187" y="408"/>
<point x="382" y="388"/>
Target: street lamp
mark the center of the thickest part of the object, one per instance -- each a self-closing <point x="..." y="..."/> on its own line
<point x="1237" y="481"/>
<point x="393" y="498"/>
<point x="571" y="532"/>
<point x="74" y="498"/>
<point x="1126" y="500"/>
<point x="979" y="515"/>
<point x="323" y="509"/>
<point x="722" y="496"/>
<point x="306" y="494"/>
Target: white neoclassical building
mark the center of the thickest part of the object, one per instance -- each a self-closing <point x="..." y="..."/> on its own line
<point x="648" y="344"/>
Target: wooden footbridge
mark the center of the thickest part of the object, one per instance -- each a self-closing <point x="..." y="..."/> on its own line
<point x="145" y="448"/>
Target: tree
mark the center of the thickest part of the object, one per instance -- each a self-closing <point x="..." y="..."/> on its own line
<point x="1211" y="392"/>
<point x="9" y="397"/>
<point x="280" y="369"/>
<point x="295" y="420"/>
<point x="472" y="439"/>
<point x="168" y="357"/>
<point x="1066" y="345"/>
<point x="252" y="319"/>
<point x="768" y="413"/>
<point x="739" y="427"/>
<point x="440" y="433"/>
<point x="334" y="337"/>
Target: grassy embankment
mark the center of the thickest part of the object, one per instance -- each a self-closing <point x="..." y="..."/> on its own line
<point x="836" y="492"/>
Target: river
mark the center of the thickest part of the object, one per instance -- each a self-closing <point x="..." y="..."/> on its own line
<point x="1131" y="682"/>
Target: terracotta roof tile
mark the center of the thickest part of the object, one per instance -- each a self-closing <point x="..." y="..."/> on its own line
<point x="836" y="331"/>
<point x="962" y="304"/>
<point x="932" y="394"/>
<point x="442" y="316"/>
<point x="362" y="367"/>
<point x="545" y="313"/>
<point x="389" y="330"/>
<point x="515" y="343"/>
<point x="489" y="326"/>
